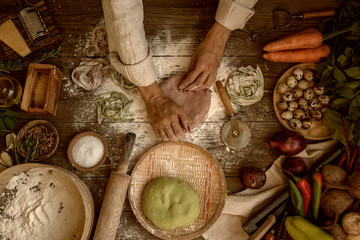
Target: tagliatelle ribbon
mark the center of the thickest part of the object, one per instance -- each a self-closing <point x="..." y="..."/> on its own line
<point x="245" y="86"/>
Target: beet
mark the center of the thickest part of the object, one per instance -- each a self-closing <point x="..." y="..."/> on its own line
<point x="253" y="177"/>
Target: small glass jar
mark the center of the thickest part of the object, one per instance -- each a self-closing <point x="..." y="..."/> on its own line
<point x="10" y="91"/>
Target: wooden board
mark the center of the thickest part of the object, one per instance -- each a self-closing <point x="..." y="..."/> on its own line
<point x="173" y="29"/>
<point x="12" y="14"/>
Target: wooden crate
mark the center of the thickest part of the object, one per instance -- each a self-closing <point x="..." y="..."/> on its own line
<point x="12" y="14"/>
<point x="42" y="88"/>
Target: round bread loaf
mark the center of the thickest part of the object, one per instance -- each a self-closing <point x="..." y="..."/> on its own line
<point x="170" y="203"/>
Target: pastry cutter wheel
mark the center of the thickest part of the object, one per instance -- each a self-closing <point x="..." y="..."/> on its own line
<point x="234" y="133"/>
<point x="283" y="18"/>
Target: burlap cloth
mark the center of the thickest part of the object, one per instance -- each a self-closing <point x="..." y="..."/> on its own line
<point x="240" y="206"/>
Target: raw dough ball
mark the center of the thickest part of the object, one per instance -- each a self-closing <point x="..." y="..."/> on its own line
<point x="291" y="82"/>
<point x="196" y="105"/>
<point x="293" y="106"/>
<point x="288" y="96"/>
<point x="282" y="88"/>
<point x="303" y="84"/>
<point x="295" y="123"/>
<point x="308" y="75"/>
<point x="170" y="203"/>
<point x="297" y="92"/>
<point x="298" y="73"/>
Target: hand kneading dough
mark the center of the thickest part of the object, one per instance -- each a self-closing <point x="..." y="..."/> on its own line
<point x="196" y="105"/>
<point x="170" y="203"/>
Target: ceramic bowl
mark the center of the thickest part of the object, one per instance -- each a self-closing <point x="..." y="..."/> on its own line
<point x="23" y="133"/>
<point x="72" y="143"/>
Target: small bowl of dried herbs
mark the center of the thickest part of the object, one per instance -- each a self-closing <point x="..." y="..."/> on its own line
<point x="37" y="140"/>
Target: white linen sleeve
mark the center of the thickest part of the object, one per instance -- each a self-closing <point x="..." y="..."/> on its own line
<point x="129" y="51"/>
<point x="233" y="14"/>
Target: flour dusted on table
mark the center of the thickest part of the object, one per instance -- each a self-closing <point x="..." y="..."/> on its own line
<point x="88" y="151"/>
<point x="41" y="204"/>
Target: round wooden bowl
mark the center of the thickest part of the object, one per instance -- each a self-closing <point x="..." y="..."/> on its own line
<point x="192" y="165"/>
<point x="72" y="143"/>
<point x="318" y="130"/>
<point x="83" y="203"/>
<point x="23" y="132"/>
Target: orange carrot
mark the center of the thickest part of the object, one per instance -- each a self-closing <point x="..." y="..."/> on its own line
<point x="308" y="38"/>
<point x="299" y="55"/>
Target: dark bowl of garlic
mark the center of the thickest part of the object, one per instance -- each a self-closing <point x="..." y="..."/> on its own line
<point x="300" y="104"/>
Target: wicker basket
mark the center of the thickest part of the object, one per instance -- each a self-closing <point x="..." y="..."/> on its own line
<point x="194" y="166"/>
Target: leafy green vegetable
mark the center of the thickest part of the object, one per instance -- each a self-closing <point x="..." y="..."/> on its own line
<point x="340" y="74"/>
<point x="7" y="120"/>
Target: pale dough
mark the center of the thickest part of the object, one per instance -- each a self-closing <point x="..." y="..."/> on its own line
<point x="170" y="203"/>
<point x="196" y="105"/>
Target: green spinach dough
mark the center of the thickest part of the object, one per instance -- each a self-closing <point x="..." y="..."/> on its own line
<point x="170" y="203"/>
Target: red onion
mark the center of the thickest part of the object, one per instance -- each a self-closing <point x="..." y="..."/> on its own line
<point x="294" y="165"/>
<point x="289" y="142"/>
<point x="253" y="177"/>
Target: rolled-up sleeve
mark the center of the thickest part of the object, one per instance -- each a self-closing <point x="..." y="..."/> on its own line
<point x="233" y="14"/>
<point x="129" y="50"/>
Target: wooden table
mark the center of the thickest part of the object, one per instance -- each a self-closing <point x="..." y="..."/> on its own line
<point x="173" y="29"/>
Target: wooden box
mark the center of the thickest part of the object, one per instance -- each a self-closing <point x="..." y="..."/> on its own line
<point x="42" y="88"/>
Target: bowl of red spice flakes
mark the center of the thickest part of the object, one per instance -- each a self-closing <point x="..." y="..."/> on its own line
<point x="37" y="140"/>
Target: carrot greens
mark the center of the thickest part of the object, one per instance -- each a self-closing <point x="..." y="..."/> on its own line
<point x="340" y="75"/>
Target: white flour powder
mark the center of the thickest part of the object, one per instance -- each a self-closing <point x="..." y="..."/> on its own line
<point x="41" y="204"/>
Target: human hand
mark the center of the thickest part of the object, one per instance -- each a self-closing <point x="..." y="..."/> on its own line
<point x="206" y="60"/>
<point x="167" y="118"/>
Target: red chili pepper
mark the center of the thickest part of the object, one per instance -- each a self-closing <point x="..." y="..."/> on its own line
<point x="316" y="192"/>
<point x="305" y="189"/>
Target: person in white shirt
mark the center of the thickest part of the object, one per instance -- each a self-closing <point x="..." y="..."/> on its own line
<point x="131" y="56"/>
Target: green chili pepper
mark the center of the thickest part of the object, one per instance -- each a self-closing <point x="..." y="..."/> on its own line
<point x="305" y="189"/>
<point x="300" y="229"/>
<point x="296" y="199"/>
<point x="316" y="193"/>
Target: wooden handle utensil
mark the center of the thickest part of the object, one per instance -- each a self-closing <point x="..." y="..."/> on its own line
<point x="114" y="198"/>
<point x="319" y="14"/>
<point x="225" y="98"/>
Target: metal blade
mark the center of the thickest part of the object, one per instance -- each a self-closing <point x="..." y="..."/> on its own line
<point x="235" y="134"/>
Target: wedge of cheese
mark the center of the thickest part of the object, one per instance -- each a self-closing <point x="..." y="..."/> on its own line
<point x="11" y="36"/>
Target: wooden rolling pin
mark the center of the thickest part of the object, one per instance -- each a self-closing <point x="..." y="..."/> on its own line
<point x="115" y="194"/>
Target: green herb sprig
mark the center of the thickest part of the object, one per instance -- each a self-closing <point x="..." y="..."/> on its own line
<point x="7" y="120"/>
<point x="21" y="64"/>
